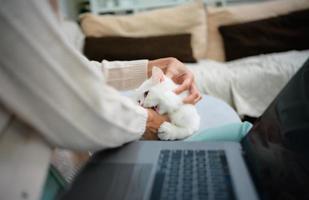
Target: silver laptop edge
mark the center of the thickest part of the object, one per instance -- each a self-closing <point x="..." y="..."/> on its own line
<point x="147" y="152"/>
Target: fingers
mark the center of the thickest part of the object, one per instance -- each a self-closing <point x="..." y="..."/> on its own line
<point x="155" y="120"/>
<point x="194" y="96"/>
<point x="150" y="135"/>
<point x="186" y="84"/>
<point x="197" y="100"/>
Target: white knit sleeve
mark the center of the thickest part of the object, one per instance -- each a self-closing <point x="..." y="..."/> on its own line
<point x="125" y="75"/>
<point x="55" y="89"/>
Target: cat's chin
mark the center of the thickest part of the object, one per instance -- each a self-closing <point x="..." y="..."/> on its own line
<point x="155" y="108"/>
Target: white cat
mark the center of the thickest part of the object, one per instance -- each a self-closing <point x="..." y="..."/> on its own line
<point x="157" y="93"/>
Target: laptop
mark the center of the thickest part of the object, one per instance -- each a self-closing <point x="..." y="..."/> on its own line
<point x="271" y="162"/>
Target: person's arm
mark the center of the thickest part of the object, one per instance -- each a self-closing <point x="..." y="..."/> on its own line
<point x="54" y="88"/>
<point x="123" y="75"/>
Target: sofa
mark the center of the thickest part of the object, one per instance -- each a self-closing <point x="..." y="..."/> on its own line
<point x="242" y="54"/>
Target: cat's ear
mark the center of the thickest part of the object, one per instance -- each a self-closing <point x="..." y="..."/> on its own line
<point x="157" y="75"/>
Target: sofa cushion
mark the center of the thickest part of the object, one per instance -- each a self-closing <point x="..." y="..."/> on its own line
<point x="243" y="13"/>
<point x="187" y="18"/>
<point x="276" y="34"/>
<point x="124" y="48"/>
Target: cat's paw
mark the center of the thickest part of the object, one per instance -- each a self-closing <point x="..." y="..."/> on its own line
<point x="165" y="131"/>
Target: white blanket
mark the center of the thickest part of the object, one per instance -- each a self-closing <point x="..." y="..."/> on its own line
<point x="250" y="84"/>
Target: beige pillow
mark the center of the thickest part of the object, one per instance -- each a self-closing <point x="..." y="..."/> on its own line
<point x="243" y="13"/>
<point x="187" y="18"/>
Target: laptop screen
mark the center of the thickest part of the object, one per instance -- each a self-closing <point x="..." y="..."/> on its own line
<point x="277" y="147"/>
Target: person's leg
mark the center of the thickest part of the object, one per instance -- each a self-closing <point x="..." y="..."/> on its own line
<point x="230" y="132"/>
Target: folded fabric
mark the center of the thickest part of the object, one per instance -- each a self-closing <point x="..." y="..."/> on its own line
<point x="187" y="18"/>
<point x="276" y="34"/>
<point x="250" y="84"/>
<point x="124" y="48"/>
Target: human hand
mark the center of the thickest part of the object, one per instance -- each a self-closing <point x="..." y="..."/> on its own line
<point x="154" y="122"/>
<point x="180" y="74"/>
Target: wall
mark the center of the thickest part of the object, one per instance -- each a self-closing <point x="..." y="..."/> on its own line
<point x="70" y="8"/>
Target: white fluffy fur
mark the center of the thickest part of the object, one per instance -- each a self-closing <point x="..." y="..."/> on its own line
<point x="157" y="92"/>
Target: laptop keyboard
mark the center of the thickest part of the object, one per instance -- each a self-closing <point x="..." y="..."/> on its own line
<point x="192" y="174"/>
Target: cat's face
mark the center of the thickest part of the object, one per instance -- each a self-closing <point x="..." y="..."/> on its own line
<point x="148" y="94"/>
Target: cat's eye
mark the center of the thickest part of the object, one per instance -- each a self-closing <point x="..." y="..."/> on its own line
<point x="146" y="93"/>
